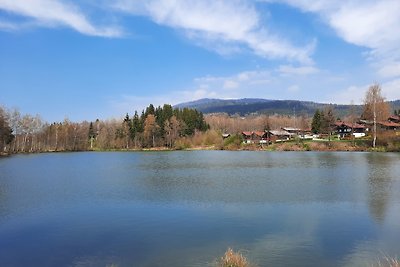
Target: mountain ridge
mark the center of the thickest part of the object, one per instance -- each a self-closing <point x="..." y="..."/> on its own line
<point x="247" y="106"/>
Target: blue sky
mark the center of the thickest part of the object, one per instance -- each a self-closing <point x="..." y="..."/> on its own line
<point x="100" y="59"/>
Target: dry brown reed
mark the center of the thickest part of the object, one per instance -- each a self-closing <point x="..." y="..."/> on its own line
<point x="388" y="262"/>
<point x="233" y="259"/>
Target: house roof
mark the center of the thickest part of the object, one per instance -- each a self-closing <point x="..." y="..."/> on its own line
<point x="349" y="125"/>
<point x="291" y="129"/>
<point x="259" y="133"/>
<point x="247" y="133"/>
<point x="279" y="132"/>
<point x="394" y="117"/>
<point x="366" y="122"/>
<point x="389" y="124"/>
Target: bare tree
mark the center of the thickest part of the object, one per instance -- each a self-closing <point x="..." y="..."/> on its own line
<point x="375" y="108"/>
<point x="172" y="128"/>
<point x="150" y="129"/>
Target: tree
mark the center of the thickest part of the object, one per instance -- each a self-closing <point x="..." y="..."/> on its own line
<point x="316" y="122"/>
<point x="171" y="128"/>
<point x="375" y="108"/>
<point x="6" y="135"/>
<point x="352" y="118"/>
<point x="136" y="128"/>
<point x="127" y="130"/>
<point x="150" y="129"/>
<point x="92" y="135"/>
<point x="327" y="121"/>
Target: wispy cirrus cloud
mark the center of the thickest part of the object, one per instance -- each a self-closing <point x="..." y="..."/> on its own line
<point x="52" y="13"/>
<point x="223" y="26"/>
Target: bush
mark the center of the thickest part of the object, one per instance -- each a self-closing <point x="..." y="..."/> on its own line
<point x="233" y="142"/>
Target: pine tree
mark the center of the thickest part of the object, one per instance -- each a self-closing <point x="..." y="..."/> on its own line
<point x="316" y="122"/>
<point x="91" y="134"/>
<point x="327" y="121"/>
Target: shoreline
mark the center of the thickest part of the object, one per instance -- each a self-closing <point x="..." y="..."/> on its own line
<point x="282" y="147"/>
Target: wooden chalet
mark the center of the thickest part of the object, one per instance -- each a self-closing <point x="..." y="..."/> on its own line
<point x="279" y="135"/>
<point x="347" y="129"/>
<point x="301" y="133"/>
<point x="394" y="118"/>
<point x="260" y="137"/>
<point x="247" y="137"/>
<point x="256" y="137"/>
<point x="388" y="126"/>
<point x="292" y="130"/>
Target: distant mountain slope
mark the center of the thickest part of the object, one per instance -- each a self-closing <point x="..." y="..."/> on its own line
<point x="247" y="106"/>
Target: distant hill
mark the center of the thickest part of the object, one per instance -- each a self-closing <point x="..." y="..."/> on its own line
<point x="248" y="106"/>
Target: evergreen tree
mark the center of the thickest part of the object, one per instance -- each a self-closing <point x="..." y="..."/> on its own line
<point x="316" y="122"/>
<point x="91" y="135"/>
<point x="6" y="135"/>
<point x="150" y="110"/>
<point x="327" y="121"/>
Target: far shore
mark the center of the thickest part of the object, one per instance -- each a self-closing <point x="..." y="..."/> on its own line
<point x="316" y="146"/>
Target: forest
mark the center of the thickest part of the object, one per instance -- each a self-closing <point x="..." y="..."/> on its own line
<point x="154" y="127"/>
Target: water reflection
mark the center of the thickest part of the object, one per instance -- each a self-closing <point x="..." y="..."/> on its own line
<point x="379" y="185"/>
<point x="186" y="208"/>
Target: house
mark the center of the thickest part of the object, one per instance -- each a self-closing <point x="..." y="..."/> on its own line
<point x="292" y="130"/>
<point x="394" y="118"/>
<point x="388" y="126"/>
<point x="346" y="129"/>
<point x="258" y="137"/>
<point x="247" y="137"/>
<point x="225" y="135"/>
<point x="279" y="135"/>
<point x="301" y="133"/>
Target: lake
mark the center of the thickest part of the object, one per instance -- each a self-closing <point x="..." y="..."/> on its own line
<point x="186" y="208"/>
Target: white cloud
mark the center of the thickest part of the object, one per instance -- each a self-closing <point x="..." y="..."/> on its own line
<point x="390" y="90"/>
<point x="366" y="23"/>
<point x="224" y="26"/>
<point x="290" y="70"/>
<point x="293" y="88"/>
<point x="348" y="95"/>
<point x="229" y="84"/>
<point x="52" y="13"/>
<point x="390" y="69"/>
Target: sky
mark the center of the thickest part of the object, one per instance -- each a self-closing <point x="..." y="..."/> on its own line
<point x="88" y="59"/>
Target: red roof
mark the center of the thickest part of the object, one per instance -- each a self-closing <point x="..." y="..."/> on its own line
<point x="349" y="124"/>
<point x="261" y="134"/>
<point x="394" y="117"/>
<point x="389" y="124"/>
<point x="247" y="133"/>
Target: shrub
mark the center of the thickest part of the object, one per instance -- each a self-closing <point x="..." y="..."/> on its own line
<point x="233" y="142"/>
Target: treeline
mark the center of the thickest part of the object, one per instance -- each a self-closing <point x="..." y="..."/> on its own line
<point x="225" y="123"/>
<point x="161" y="126"/>
<point x="156" y="127"/>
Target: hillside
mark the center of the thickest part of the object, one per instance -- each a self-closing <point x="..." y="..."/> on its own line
<point x="248" y="106"/>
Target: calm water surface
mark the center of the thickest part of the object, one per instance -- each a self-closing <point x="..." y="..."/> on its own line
<point x="186" y="208"/>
